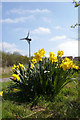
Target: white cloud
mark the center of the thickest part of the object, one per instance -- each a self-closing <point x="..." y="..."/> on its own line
<point x="58" y="38"/>
<point x="21" y="11"/>
<point x="16" y="20"/>
<point x="70" y="48"/>
<point x="41" y="30"/>
<point x="7" y="47"/>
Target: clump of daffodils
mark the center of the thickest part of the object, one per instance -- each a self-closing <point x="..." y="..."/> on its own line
<point x="16" y="67"/>
<point x="17" y="70"/>
<point x="43" y="76"/>
<point x="67" y="64"/>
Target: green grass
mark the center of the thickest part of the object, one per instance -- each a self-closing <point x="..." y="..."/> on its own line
<point x="5" y="75"/>
<point x="65" y="105"/>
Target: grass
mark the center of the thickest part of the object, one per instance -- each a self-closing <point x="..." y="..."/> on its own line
<point x="5" y="75"/>
<point x="65" y="105"/>
<point x="5" y="72"/>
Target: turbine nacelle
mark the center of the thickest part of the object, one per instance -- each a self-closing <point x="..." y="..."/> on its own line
<point x="28" y="39"/>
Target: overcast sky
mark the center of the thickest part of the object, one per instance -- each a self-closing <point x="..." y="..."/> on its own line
<point x="49" y="25"/>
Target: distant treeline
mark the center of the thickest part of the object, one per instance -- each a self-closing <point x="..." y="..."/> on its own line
<point x="8" y="59"/>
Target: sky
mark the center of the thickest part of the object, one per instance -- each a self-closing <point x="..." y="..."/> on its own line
<point x="47" y="22"/>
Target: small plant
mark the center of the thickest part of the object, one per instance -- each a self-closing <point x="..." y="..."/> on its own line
<point x="45" y="76"/>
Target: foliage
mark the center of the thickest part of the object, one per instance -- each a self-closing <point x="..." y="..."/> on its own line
<point x="76" y="4"/>
<point x="8" y="59"/>
<point x="46" y="76"/>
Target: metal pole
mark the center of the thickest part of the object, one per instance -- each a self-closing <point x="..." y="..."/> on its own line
<point x="29" y="60"/>
<point x="29" y="49"/>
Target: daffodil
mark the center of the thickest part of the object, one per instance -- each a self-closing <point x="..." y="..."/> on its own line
<point x="53" y="59"/>
<point x="1" y="93"/>
<point x="66" y="59"/>
<point x="71" y="63"/>
<point x="65" y="65"/>
<point x="15" y="90"/>
<point x="32" y="66"/>
<point x="42" y="52"/>
<point x="60" y="53"/>
<point x="51" y="54"/>
<point x="15" y="77"/>
<point x="34" y="61"/>
<point x="21" y="65"/>
<point x="14" y="67"/>
<point x="17" y="67"/>
<point x="76" y="67"/>
<point x="38" y="56"/>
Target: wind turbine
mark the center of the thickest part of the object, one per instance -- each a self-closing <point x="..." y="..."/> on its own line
<point x="28" y="40"/>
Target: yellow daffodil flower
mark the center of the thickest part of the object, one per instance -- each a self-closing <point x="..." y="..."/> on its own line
<point x="34" y="61"/>
<point x="1" y="93"/>
<point x="76" y="67"/>
<point x="21" y="66"/>
<point x="65" y="65"/>
<point x="51" y="54"/>
<point x="38" y="56"/>
<point x="17" y="67"/>
<point x="15" y="77"/>
<point x="14" y="67"/>
<point x="53" y="59"/>
<point x="15" y="90"/>
<point x="32" y="66"/>
<point x="60" y="53"/>
<point x="42" y="52"/>
<point x="66" y="59"/>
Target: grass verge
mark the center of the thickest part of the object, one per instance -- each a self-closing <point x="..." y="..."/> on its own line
<point x="5" y="75"/>
<point x="65" y="105"/>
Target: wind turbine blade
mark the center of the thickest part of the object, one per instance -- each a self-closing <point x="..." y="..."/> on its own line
<point x="22" y="39"/>
<point x="28" y="35"/>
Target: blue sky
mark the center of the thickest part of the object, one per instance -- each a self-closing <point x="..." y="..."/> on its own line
<point x="49" y="25"/>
